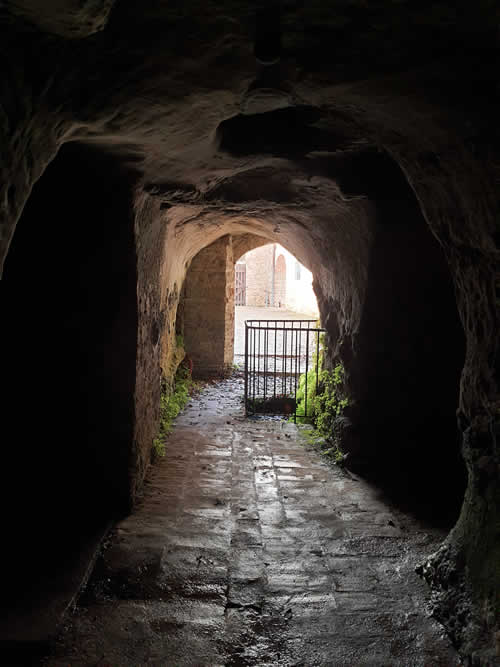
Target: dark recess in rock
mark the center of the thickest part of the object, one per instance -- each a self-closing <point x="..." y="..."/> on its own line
<point x="69" y="322"/>
<point x="267" y="47"/>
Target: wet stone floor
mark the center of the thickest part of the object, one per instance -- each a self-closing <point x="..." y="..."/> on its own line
<point x="249" y="549"/>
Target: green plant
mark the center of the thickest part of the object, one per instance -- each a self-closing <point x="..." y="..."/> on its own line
<point x="325" y="405"/>
<point x="335" y="454"/>
<point x="307" y="388"/>
<point x="323" y="446"/>
<point x="331" y="401"/>
<point x="158" y="450"/>
<point x="171" y="403"/>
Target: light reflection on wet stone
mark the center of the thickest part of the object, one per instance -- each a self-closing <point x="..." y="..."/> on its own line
<point x="248" y="549"/>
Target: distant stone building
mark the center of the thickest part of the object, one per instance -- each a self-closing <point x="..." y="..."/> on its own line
<point x="272" y="276"/>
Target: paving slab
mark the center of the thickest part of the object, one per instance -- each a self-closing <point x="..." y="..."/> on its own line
<point x="249" y="549"/>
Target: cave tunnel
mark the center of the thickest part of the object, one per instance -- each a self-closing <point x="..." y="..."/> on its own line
<point x="409" y="349"/>
<point x="126" y="201"/>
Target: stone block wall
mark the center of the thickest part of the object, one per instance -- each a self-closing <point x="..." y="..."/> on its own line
<point x="229" y="306"/>
<point x="208" y="309"/>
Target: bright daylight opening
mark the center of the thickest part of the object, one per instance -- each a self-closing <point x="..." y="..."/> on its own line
<point x="270" y="284"/>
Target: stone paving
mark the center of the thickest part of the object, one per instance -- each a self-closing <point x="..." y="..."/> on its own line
<point x="249" y="549"/>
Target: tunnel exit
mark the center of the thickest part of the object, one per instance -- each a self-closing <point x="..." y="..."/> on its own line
<point x="283" y="364"/>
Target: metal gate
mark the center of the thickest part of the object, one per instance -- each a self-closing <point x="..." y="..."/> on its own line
<point x="281" y="358"/>
<point x="240" y="287"/>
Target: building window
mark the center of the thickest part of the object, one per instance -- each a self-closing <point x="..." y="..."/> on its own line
<point x="297" y="271"/>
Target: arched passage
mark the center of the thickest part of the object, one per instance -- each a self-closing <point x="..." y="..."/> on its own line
<point x="385" y="319"/>
<point x="388" y="304"/>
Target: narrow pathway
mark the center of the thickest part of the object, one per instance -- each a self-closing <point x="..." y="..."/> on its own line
<point x="248" y="549"/>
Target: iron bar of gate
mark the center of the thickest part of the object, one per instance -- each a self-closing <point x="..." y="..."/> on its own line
<point x="296" y="376"/>
<point x="285" y="334"/>
<point x="317" y="360"/>
<point x="300" y="350"/>
<point x="265" y="363"/>
<point x="275" y="345"/>
<point x="307" y="368"/>
<point x="246" y="363"/>
<point x="259" y="358"/>
<point x="273" y="365"/>
<point x="253" y="337"/>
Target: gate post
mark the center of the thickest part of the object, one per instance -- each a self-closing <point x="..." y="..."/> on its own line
<point x="246" y="370"/>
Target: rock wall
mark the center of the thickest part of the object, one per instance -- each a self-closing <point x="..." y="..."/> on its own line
<point x="242" y="243"/>
<point x="69" y="324"/>
<point x="73" y="19"/>
<point x="403" y="349"/>
<point x="229" y="308"/>
<point x="154" y="326"/>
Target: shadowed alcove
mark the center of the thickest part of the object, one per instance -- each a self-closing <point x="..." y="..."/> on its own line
<point x="69" y="306"/>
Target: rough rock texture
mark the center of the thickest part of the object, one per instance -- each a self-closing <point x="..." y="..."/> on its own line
<point x="404" y="356"/>
<point x="156" y="322"/>
<point x="299" y="153"/>
<point x="68" y="18"/>
<point x="245" y="242"/>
